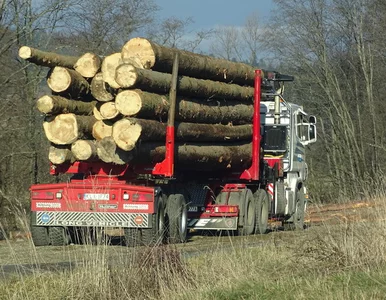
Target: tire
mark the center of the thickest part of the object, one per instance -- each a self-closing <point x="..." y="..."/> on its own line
<point x="249" y="215"/>
<point x="58" y="236"/>
<point x="156" y="234"/>
<point x="177" y="216"/>
<point x="132" y="237"/>
<point x="40" y="236"/>
<point x="297" y="222"/>
<point x="262" y="211"/>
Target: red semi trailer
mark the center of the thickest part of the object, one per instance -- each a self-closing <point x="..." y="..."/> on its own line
<point x="161" y="202"/>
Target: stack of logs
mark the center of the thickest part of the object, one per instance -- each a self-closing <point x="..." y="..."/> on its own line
<point x="114" y="109"/>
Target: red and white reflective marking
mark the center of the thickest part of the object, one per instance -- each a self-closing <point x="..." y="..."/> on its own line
<point x="270" y="190"/>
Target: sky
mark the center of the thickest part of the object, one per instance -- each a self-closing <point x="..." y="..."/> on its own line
<point x="211" y="13"/>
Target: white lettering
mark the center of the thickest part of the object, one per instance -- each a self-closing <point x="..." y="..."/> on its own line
<point x="48" y="205"/>
<point x="96" y="197"/>
<point x="136" y="206"/>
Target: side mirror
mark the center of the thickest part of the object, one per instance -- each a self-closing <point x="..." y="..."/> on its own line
<point x="312" y="120"/>
<point x="312" y="136"/>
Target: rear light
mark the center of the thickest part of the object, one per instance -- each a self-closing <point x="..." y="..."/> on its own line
<point x="42" y="195"/>
<point x="225" y="209"/>
<point x="58" y="195"/>
<point x="126" y="196"/>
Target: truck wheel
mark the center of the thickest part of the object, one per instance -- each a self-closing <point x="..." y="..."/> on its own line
<point x="249" y="214"/>
<point x="177" y="215"/>
<point x="40" y="235"/>
<point x="132" y="237"/>
<point x="298" y="218"/>
<point x="58" y="236"/>
<point x="262" y="205"/>
<point x="156" y="234"/>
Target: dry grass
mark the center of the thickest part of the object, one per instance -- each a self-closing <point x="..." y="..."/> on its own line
<point x="346" y="260"/>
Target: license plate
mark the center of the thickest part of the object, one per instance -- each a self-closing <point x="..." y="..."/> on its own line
<point x="96" y="197"/>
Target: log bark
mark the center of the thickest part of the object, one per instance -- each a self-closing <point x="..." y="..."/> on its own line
<point x="102" y="129"/>
<point x="160" y="58"/>
<point x="129" y="76"/>
<point x="128" y="132"/>
<point x="58" y="154"/>
<point x="46" y="59"/>
<point x="88" y="65"/>
<point x="60" y="105"/>
<point x="109" y="66"/>
<point x="84" y="150"/>
<point x="100" y="90"/>
<point x="197" y="156"/>
<point x="64" y="129"/>
<point x="108" y="152"/>
<point x="148" y="105"/>
<point x="68" y="82"/>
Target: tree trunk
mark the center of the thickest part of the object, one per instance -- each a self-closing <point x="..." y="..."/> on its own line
<point x="100" y="90"/>
<point x="160" y="58"/>
<point x="59" y="154"/>
<point x="102" y="129"/>
<point x="108" y="152"/>
<point x="127" y="132"/>
<point x="148" y="105"/>
<point x="46" y="59"/>
<point x="197" y="156"/>
<point x="59" y="105"/>
<point x="64" y="129"/>
<point x="84" y="150"/>
<point x="68" y="82"/>
<point x="109" y="66"/>
<point x="88" y="65"/>
<point x="130" y="77"/>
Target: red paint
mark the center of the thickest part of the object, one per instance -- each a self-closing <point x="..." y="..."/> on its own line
<point x="253" y="172"/>
<point x="166" y="167"/>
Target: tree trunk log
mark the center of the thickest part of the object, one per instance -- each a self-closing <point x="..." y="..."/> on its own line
<point x="64" y="129"/>
<point x="100" y="90"/>
<point x="108" y="152"/>
<point x="68" y="82"/>
<point x="197" y="156"/>
<point x="88" y="65"/>
<point x="58" y="154"/>
<point x="127" y="132"/>
<point x="130" y="77"/>
<point x="59" y="105"/>
<point x="160" y="58"/>
<point x="102" y="129"/>
<point x="148" y="105"/>
<point x="46" y="59"/>
<point x="108" y="110"/>
<point x="84" y="150"/>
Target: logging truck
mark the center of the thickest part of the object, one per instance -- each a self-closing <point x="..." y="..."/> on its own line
<point x="162" y="202"/>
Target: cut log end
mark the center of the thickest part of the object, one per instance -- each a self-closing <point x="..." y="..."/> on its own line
<point x="126" y="134"/>
<point x="108" y="111"/>
<point x="140" y="48"/>
<point x="128" y="103"/>
<point x="58" y="155"/>
<point x="61" y="130"/>
<point x="99" y="90"/>
<point x="126" y="75"/>
<point x="59" y="79"/>
<point x="83" y="150"/>
<point x="25" y="52"/>
<point x="88" y="65"/>
<point x="101" y="130"/>
<point x="45" y="104"/>
<point x="109" y="66"/>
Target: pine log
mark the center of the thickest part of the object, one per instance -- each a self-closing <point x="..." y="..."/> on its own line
<point x="96" y="113"/>
<point x="102" y="129"/>
<point x="197" y="156"/>
<point x="60" y="105"/>
<point x="128" y="132"/>
<point x="129" y="76"/>
<point x="109" y="66"/>
<point x="148" y="105"/>
<point x="58" y="154"/>
<point x="84" y="150"/>
<point x="88" y="65"/>
<point x="160" y="58"/>
<point x="100" y="90"/>
<point x="108" y="110"/>
<point x="46" y="59"/>
<point x="108" y="152"/>
<point x="64" y="129"/>
<point x="68" y="82"/>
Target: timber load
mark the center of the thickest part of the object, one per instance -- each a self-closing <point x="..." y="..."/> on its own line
<point x="115" y="108"/>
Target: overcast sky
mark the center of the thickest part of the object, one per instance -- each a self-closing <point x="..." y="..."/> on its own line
<point x="212" y="13"/>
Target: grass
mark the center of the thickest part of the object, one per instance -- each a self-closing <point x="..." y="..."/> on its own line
<point x="346" y="260"/>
